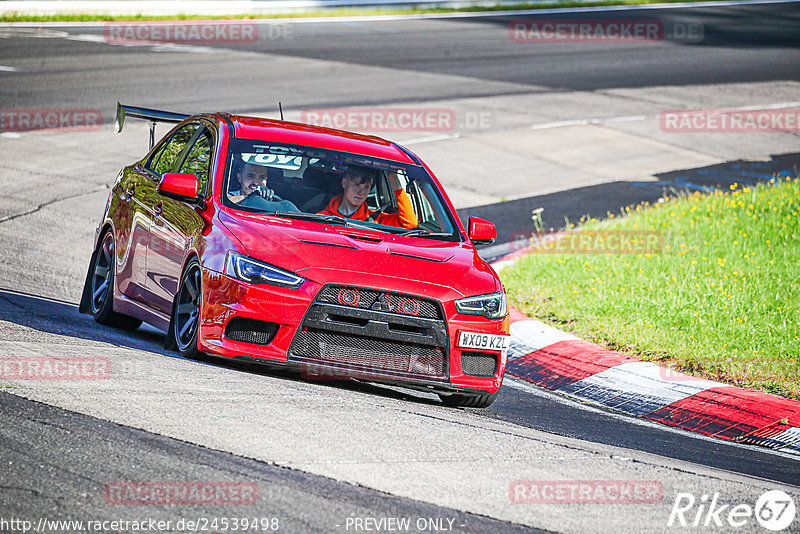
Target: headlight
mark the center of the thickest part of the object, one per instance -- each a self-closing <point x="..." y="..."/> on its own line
<point x="491" y="306"/>
<point x="255" y="272"/>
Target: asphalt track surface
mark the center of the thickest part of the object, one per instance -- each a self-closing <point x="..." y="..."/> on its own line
<point x="742" y="43"/>
<point x="56" y="461"/>
<point x="80" y="446"/>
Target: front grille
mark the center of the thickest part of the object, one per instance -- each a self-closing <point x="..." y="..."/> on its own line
<point x="250" y="330"/>
<point x="371" y="299"/>
<point x="367" y="330"/>
<point x="478" y="363"/>
<point x="370" y="354"/>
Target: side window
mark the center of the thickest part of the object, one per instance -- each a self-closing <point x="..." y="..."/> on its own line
<point x="199" y="158"/>
<point x="374" y="195"/>
<point x="382" y="192"/>
<point x="173" y="149"/>
<point x="431" y="214"/>
<point x="426" y="211"/>
<point x="151" y="163"/>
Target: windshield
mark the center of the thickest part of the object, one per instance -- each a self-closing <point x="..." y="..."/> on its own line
<point x="335" y="187"/>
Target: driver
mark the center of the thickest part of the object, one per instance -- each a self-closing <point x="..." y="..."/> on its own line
<point x="254" y="193"/>
<point x="252" y="179"/>
<point x="352" y="203"/>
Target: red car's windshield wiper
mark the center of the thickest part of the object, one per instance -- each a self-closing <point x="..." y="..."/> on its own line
<point x="422" y="231"/>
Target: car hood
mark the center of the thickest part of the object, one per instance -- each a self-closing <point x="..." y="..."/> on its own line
<point x="326" y="253"/>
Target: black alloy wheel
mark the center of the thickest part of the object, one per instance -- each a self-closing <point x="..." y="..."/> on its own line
<point x="103" y="275"/>
<point x="102" y="289"/>
<point x="187" y="310"/>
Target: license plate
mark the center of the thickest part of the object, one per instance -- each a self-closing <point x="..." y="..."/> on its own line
<point x="477" y="340"/>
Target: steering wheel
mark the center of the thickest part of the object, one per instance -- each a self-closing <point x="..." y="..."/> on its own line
<point x="266" y="193"/>
<point x="377" y="212"/>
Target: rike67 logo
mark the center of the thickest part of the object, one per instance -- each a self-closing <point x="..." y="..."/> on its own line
<point x="774" y="510"/>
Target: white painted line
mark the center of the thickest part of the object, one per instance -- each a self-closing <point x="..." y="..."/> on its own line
<point x="430" y="138"/>
<point x="502" y="264"/>
<point x="632" y="118"/>
<point x="3" y="68"/>
<point x="530" y="335"/>
<point x="559" y="124"/>
<point x="635" y="118"/>
<point x="583" y="122"/>
<point x="790" y="437"/>
<point x="155" y="46"/>
<point x="28" y="5"/>
<point x="779" y="105"/>
<point x="638" y="387"/>
<point x="10" y="135"/>
<point x="89" y="38"/>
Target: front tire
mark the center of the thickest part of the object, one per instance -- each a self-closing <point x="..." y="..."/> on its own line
<point x="468" y="401"/>
<point x="102" y="288"/>
<point x="186" y="317"/>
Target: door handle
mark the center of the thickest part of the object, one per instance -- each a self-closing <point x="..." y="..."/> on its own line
<point x="158" y="208"/>
<point x="130" y="192"/>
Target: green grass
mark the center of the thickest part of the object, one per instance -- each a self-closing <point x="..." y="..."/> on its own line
<point x="721" y="300"/>
<point x="338" y="12"/>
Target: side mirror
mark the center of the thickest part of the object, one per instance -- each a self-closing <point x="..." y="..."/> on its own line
<point x="180" y="186"/>
<point x="481" y="231"/>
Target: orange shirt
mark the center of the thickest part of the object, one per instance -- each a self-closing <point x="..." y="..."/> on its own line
<point x="404" y="218"/>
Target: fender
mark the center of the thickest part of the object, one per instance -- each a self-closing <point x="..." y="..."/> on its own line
<point x="86" y="297"/>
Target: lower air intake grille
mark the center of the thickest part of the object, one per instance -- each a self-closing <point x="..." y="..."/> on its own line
<point x="478" y="363"/>
<point x="369" y="354"/>
<point x="250" y="330"/>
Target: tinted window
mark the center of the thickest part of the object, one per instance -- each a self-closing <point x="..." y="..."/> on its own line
<point x="199" y="158"/>
<point x="295" y="180"/>
<point x="169" y="155"/>
<point x="154" y="158"/>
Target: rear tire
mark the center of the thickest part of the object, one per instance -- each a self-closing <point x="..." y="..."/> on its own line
<point x="186" y="315"/>
<point x="102" y="288"/>
<point x="468" y="401"/>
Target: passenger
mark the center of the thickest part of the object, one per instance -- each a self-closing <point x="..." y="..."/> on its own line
<point x="352" y="203"/>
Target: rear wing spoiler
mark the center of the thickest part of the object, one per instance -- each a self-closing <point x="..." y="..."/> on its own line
<point x="152" y="115"/>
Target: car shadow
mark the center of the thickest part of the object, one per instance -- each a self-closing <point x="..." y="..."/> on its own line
<point x="514" y="222"/>
<point x="54" y="316"/>
<point x="59" y="317"/>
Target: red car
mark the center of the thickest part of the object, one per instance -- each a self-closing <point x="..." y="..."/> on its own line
<point x="329" y="251"/>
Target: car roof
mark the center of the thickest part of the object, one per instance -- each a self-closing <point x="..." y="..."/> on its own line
<point x="296" y="133"/>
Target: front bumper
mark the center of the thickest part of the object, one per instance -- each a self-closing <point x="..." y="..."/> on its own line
<point x="328" y="339"/>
